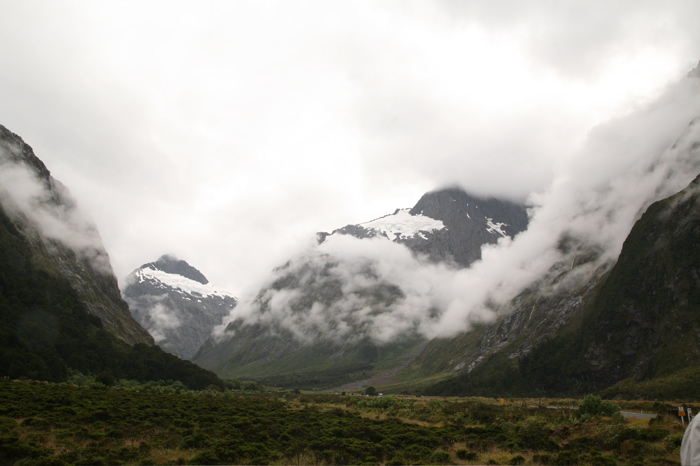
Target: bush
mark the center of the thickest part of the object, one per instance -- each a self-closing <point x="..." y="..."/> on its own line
<point x="105" y="378"/>
<point x="673" y="441"/>
<point x="467" y="455"/>
<point x="566" y="458"/>
<point x="206" y="457"/>
<point x="440" y="457"/>
<point x="594" y="405"/>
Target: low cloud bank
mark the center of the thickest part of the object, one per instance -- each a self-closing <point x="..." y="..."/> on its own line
<point x="153" y="313"/>
<point x="590" y="208"/>
<point x="49" y="207"/>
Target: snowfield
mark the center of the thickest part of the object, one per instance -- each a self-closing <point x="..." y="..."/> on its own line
<point x="404" y="225"/>
<point x="181" y="283"/>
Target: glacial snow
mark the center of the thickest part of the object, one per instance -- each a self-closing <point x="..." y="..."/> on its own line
<point x="402" y="224"/>
<point x="181" y="283"/>
<point x="495" y="227"/>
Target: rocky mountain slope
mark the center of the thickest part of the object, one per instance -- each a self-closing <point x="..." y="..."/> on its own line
<point x="176" y="304"/>
<point x="638" y="319"/>
<point x="60" y="307"/>
<point x="448" y="225"/>
<point x="61" y="238"/>
<point x="326" y="318"/>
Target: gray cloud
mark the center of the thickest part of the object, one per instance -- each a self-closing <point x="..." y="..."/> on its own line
<point x="595" y="198"/>
<point x="156" y="316"/>
<point x="581" y="40"/>
<point x="230" y="132"/>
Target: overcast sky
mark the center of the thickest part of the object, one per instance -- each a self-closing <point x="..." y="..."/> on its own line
<point x="229" y="132"/>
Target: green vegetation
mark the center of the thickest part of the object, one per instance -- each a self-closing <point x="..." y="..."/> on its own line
<point x="593" y="405"/>
<point x="311" y="368"/>
<point x="46" y="329"/>
<point x="272" y="355"/>
<point x="680" y="385"/>
<point x="164" y="423"/>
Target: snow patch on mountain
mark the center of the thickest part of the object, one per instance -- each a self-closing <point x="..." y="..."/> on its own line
<point x="495" y="227"/>
<point x="401" y="224"/>
<point x="180" y="283"/>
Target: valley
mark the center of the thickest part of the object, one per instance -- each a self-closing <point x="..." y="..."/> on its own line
<point x="349" y="233"/>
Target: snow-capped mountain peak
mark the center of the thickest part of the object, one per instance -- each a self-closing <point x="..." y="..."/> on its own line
<point x="176" y="304"/>
<point x="401" y="224"/>
<point x="179" y="283"/>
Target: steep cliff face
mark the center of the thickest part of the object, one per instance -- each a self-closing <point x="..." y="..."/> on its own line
<point x="645" y="320"/>
<point x="176" y="304"/>
<point x="60" y="237"/>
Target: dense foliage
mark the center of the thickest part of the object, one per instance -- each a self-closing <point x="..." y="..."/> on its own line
<point x="45" y="329"/>
<point x="155" y="423"/>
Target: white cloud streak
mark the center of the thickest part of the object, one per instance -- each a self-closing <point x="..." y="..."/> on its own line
<point x="155" y="316"/>
<point x="47" y="206"/>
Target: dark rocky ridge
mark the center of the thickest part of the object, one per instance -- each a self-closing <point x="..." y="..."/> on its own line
<point x="465" y="218"/>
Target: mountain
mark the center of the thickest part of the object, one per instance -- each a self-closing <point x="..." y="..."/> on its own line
<point x="176" y="304"/>
<point x="447" y="225"/>
<point x="580" y="312"/>
<point x="637" y="320"/>
<point x="45" y="213"/>
<point x="60" y="307"/>
<point x="333" y="315"/>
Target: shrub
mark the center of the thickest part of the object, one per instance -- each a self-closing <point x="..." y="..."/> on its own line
<point x="566" y="458"/>
<point x="7" y="424"/>
<point x="594" y="405"/>
<point x="467" y="455"/>
<point x="205" y="457"/>
<point x="105" y="378"/>
<point x="440" y="457"/>
<point x="519" y="459"/>
<point x="673" y="441"/>
<point x="417" y="452"/>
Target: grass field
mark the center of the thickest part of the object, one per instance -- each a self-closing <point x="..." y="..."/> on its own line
<point x="52" y="424"/>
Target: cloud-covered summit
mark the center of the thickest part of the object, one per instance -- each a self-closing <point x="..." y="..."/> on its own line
<point x="168" y="263"/>
<point x="648" y="155"/>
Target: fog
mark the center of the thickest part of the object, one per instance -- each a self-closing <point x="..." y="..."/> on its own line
<point x="47" y="206"/>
